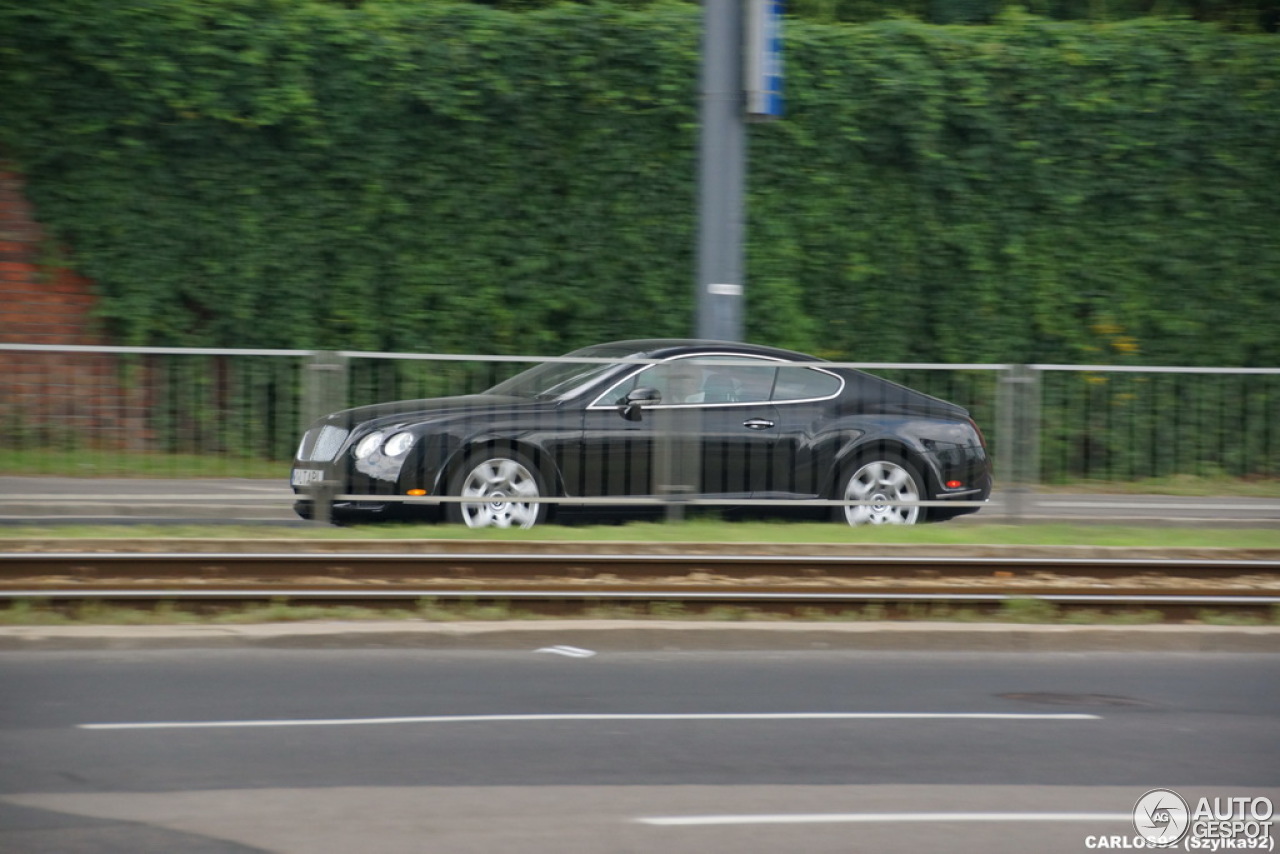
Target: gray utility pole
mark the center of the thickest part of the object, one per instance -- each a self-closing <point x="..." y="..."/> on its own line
<point x="722" y="164"/>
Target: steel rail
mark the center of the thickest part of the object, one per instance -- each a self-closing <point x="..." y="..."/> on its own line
<point x="576" y="581"/>
<point x="576" y="565"/>
<point x="654" y="595"/>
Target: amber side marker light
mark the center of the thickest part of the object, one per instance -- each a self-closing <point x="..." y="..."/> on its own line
<point x="416" y="492"/>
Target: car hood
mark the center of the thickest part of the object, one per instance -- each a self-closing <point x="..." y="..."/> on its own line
<point x="405" y="412"/>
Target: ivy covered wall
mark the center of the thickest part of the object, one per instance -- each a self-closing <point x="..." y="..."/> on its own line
<point x="427" y="176"/>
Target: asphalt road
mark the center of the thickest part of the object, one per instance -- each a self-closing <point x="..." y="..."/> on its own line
<point x="563" y="750"/>
<point x="24" y="500"/>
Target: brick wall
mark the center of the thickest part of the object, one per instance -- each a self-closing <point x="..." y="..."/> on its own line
<point x="39" y="303"/>
<point x="50" y="399"/>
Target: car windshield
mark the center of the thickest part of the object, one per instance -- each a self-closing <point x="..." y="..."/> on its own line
<point x="552" y="380"/>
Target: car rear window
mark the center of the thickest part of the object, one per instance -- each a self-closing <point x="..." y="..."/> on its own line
<point x="804" y="384"/>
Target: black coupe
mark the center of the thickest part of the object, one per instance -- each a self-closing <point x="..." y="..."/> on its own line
<point x="650" y="419"/>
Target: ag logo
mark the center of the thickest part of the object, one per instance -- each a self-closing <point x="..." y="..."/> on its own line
<point x="1161" y="816"/>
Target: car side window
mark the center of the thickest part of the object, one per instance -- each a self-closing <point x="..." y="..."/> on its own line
<point x="679" y="381"/>
<point x="733" y="379"/>
<point x="618" y="394"/>
<point x="743" y="382"/>
<point x="796" y="383"/>
<point x="729" y="379"/>
<point x="704" y="380"/>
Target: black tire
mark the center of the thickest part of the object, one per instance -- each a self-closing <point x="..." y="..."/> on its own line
<point x="502" y="482"/>
<point x="880" y="479"/>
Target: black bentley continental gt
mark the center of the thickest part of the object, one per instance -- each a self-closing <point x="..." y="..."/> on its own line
<point x="650" y="419"/>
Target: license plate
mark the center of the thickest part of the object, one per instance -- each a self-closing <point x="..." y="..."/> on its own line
<point x="305" y="477"/>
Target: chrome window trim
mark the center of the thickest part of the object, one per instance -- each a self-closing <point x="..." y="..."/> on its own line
<point x="813" y="367"/>
<point x="597" y="406"/>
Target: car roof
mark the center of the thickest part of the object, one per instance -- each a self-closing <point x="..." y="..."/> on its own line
<point x="661" y="348"/>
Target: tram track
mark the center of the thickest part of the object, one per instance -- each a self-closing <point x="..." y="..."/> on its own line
<point x="573" y="578"/>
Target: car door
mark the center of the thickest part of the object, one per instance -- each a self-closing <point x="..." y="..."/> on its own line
<point x="803" y="451"/>
<point x="739" y="427"/>
<point x="615" y="454"/>
<point x="714" y="442"/>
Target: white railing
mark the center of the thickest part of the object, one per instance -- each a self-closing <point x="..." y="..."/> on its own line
<point x="106" y="416"/>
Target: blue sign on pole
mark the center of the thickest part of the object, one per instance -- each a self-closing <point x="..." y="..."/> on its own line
<point x="763" y="59"/>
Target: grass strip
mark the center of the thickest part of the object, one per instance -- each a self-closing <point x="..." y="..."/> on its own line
<point x="697" y="531"/>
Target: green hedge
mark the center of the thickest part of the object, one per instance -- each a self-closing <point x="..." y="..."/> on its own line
<point x="1238" y="15"/>
<point x="430" y="176"/>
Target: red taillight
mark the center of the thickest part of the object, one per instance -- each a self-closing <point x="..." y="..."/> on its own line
<point x="954" y="484"/>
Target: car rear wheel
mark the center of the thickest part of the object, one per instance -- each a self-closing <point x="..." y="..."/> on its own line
<point x="499" y="489"/>
<point x="881" y="483"/>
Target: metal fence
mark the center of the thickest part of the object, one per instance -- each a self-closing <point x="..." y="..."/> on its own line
<point x="111" y="412"/>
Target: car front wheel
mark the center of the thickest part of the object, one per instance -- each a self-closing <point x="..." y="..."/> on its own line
<point x="499" y="490"/>
<point x="882" y="483"/>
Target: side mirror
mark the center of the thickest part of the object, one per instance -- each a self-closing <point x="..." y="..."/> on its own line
<point x="636" y="400"/>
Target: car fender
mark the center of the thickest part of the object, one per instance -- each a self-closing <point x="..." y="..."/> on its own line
<point x="872" y="444"/>
<point x="547" y="465"/>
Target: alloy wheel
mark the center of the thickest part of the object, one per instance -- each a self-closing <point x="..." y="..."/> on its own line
<point x="504" y="493"/>
<point x="882" y="483"/>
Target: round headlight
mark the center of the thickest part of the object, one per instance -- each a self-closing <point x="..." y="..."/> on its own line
<point x="368" y="445"/>
<point x="398" y="444"/>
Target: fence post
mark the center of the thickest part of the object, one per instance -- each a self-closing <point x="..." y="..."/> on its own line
<point x="324" y="390"/>
<point x="324" y="385"/>
<point x="1018" y="450"/>
<point x="677" y="460"/>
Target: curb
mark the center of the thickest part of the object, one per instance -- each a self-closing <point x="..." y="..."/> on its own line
<point x="651" y="636"/>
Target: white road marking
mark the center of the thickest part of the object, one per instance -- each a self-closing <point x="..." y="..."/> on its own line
<point x="570" y="651"/>
<point x="535" y="718"/>
<point x="831" y="818"/>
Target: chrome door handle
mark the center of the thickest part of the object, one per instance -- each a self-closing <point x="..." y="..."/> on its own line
<point x="757" y="424"/>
